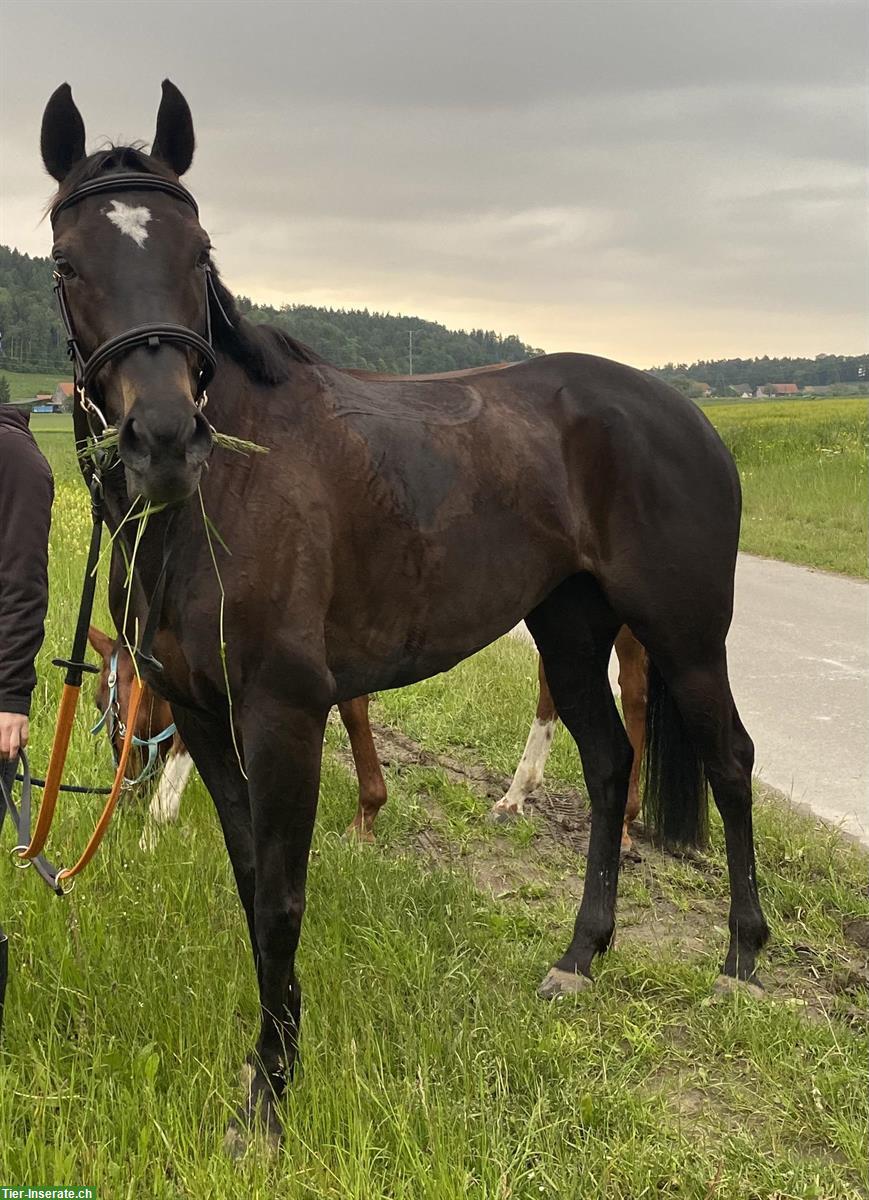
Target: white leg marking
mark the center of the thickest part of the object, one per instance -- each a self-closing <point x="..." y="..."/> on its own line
<point x="131" y="221"/>
<point x="167" y="799"/>
<point x="529" y="773"/>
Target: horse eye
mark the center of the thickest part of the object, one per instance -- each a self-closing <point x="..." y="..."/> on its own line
<point x="204" y="257"/>
<point x="64" y="268"/>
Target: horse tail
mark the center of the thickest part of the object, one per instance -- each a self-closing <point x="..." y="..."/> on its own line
<point x="675" y="797"/>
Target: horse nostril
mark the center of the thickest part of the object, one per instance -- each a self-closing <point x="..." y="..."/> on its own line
<point x="132" y="443"/>
<point x="200" y="441"/>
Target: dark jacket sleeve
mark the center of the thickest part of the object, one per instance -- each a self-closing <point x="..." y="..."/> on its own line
<point x="26" y="495"/>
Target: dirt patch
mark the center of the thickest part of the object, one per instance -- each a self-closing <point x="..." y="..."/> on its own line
<point x="857" y="931"/>
<point x="549" y="868"/>
<point x="563" y="813"/>
<point x="560" y="826"/>
<point x="491" y="857"/>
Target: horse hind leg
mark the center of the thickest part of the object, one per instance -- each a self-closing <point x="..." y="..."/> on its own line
<point x="574" y="629"/>
<point x="372" y="786"/>
<point x="633" y="672"/>
<point x="529" y="773"/>
<point x="705" y="702"/>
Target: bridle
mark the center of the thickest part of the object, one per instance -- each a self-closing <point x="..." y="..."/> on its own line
<point x="113" y="723"/>
<point x="85" y="370"/>
<point x="152" y="335"/>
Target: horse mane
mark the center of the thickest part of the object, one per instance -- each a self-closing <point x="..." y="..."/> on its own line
<point x="264" y="351"/>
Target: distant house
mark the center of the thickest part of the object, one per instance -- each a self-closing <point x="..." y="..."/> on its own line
<point x="46" y="402"/>
<point x="778" y="389"/>
<point x="41" y="403"/>
<point x="62" y="397"/>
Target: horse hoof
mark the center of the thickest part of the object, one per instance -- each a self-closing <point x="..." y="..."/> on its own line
<point x="255" y="1122"/>
<point x="236" y="1141"/>
<point x="563" y="983"/>
<point x="501" y="813"/>
<point x="354" y="834"/>
<point x="727" y="985"/>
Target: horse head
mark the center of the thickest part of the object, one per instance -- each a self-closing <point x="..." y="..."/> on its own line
<point x="132" y="271"/>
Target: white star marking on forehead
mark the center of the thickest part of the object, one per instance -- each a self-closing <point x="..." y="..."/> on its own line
<point x="131" y="221"/>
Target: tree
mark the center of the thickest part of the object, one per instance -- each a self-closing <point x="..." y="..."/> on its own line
<point x="5" y="393"/>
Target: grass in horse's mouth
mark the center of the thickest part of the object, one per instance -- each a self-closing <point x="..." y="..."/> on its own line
<point x="111" y="437"/>
<point x="211" y="534"/>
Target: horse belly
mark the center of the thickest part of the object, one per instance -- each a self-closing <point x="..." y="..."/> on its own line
<point x="415" y="605"/>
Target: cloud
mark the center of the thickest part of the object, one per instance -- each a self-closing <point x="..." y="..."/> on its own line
<point x="651" y="180"/>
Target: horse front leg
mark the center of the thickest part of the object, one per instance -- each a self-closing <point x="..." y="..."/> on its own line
<point x="282" y="748"/>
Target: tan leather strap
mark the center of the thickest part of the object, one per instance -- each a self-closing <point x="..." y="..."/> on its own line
<point x="54" y="775"/>
<point x="106" y="815"/>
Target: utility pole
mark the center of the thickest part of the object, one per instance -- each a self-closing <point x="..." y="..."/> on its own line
<point x="410" y="334"/>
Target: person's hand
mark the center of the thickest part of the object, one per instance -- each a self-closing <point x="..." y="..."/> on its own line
<point x="14" y="734"/>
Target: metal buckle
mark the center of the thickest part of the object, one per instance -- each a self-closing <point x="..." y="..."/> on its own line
<point x="17" y="861"/>
<point x="89" y="406"/>
<point x="58" y="883"/>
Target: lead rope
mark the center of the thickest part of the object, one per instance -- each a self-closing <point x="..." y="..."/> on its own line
<point x="144" y="657"/>
<point x="69" y="700"/>
<point x="76" y="666"/>
<point x="102" y="825"/>
<point x="21" y="823"/>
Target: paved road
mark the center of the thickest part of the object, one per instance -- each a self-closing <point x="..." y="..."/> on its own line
<point x="799" y="662"/>
<point x="799" y="666"/>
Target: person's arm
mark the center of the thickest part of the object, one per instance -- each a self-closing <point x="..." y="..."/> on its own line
<point x="26" y="494"/>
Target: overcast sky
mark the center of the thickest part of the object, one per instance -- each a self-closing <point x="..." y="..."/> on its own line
<point x="650" y="181"/>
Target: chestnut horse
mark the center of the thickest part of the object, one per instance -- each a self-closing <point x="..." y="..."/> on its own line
<point x="393" y="528"/>
<point x="155" y="720"/>
<point x="173" y="762"/>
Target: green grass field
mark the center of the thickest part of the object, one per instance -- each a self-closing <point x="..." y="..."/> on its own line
<point x="430" y="1069"/>
<point x="23" y="385"/>
<point x="803" y="466"/>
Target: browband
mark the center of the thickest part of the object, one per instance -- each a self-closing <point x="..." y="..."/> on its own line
<point x="128" y="180"/>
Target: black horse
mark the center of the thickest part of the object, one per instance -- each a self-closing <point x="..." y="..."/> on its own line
<point x="394" y="528"/>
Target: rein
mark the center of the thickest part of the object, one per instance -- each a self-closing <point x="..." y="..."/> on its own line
<point x="85" y="370"/>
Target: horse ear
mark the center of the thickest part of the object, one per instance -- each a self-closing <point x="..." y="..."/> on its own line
<point x="101" y="642"/>
<point x="174" y="141"/>
<point x="62" y="139"/>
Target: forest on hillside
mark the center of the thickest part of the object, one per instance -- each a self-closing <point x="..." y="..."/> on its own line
<point x="33" y="338"/>
<point x="728" y="375"/>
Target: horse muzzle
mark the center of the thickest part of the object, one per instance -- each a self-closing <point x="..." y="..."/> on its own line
<point x="164" y="452"/>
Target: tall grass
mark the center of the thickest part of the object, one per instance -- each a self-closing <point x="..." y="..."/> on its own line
<point x="430" y="1069"/>
<point x="803" y="466"/>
